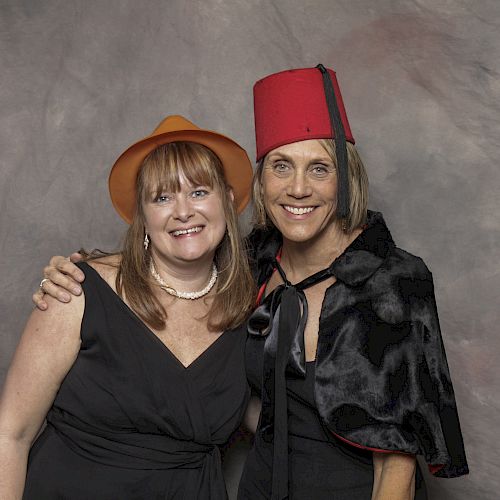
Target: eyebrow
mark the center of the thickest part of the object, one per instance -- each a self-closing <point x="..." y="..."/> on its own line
<point x="284" y="156"/>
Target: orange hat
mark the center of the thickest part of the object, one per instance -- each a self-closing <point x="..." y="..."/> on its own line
<point x="234" y="159"/>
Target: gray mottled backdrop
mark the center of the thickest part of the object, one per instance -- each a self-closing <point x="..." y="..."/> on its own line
<point x="83" y="79"/>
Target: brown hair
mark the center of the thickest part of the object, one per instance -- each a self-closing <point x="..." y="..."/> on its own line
<point x="358" y="188"/>
<point x="160" y="171"/>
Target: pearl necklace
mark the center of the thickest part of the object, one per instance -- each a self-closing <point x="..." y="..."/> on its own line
<point x="184" y="295"/>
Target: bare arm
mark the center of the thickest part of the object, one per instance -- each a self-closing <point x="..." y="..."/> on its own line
<point x="47" y="350"/>
<point x="251" y="417"/>
<point x="394" y="476"/>
<point x="63" y="278"/>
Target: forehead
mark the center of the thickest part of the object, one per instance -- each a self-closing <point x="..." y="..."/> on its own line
<point x="177" y="177"/>
<point x="302" y="150"/>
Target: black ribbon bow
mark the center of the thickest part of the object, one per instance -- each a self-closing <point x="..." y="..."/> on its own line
<point x="281" y="317"/>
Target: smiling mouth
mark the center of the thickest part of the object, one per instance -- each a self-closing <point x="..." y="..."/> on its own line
<point x="182" y="232"/>
<point x="298" y="210"/>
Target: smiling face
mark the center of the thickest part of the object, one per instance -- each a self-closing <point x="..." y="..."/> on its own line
<point x="186" y="225"/>
<point x="299" y="186"/>
<point x="183" y="203"/>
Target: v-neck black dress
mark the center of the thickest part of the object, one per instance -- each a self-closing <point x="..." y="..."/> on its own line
<point x="130" y="421"/>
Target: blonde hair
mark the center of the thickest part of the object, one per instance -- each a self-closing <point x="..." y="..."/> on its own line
<point x="358" y="188"/>
<point x="161" y="171"/>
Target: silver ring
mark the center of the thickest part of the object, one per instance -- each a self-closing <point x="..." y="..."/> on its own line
<point x="42" y="282"/>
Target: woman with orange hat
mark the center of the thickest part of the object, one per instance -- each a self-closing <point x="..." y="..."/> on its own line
<point x="141" y="377"/>
<point x="344" y="346"/>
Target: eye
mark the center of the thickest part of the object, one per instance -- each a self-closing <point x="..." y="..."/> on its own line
<point x="281" y="167"/>
<point x="199" y="193"/>
<point x="321" y="170"/>
<point x="162" y="198"/>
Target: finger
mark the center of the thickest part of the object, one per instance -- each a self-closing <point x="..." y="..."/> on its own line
<point x="65" y="266"/>
<point x="56" y="260"/>
<point x="76" y="257"/>
<point x="61" y="281"/>
<point x="65" y="274"/>
<point x="38" y="300"/>
<point x="55" y="291"/>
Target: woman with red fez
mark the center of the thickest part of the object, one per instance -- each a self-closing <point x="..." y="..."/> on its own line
<point x="344" y="346"/>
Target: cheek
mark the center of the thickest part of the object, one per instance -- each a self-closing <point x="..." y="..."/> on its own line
<point x="154" y="218"/>
<point x="216" y="213"/>
<point x="147" y="218"/>
<point x="328" y="191"/>
<point x="269" y="189"/>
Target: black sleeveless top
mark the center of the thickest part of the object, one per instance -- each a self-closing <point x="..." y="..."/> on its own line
<point x="130" y="421"/>
<point x="319" y="466"/>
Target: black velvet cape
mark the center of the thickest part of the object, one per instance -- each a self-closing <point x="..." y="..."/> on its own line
<point x="382" y="379"/>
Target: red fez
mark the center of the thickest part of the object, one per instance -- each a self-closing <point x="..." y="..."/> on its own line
<point x="290" y="106"/>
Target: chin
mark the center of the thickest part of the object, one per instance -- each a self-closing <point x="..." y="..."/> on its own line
<point x="196" y="256"/>
<point x="188" y="253"/>
<point x="298" y="235"/>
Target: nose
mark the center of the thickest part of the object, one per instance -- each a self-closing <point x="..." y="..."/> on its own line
<point x="299" y="185"/>
<point x="183" y="209"/>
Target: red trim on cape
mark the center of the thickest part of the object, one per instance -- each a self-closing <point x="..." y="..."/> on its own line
<point x="360" y="446"/>
<point x="433" y="469"/>
<point x="262" y="289"/>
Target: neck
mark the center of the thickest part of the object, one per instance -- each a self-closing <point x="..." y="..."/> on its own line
<point x="302" y="258"/>
<point x="184" y="276"/>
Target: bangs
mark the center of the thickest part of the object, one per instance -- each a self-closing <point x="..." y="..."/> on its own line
<point x="164" y="167"/>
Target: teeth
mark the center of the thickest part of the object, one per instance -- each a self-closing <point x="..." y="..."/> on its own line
<point x="298" y="211"/>
<point x="196" y="229"/>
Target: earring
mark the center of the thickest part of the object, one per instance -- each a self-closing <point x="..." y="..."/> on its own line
<point x="146" y="242"/>
<point x="344" y="225"/>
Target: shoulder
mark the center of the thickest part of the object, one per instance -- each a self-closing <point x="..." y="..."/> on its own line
<point x="401" y="284"/>
<point x="105" y="262"/>
<point x="106" y="266"/>
<point x="262" y="246"/>
<point x="60" y="320"/>
<point x="401" y="263"/>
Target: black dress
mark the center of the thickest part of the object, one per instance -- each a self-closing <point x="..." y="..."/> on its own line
<point x="130" y="421"/>
<point x="320" y="467"/>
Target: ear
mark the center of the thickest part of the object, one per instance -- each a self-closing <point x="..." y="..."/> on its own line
<point x="231" y="194"/>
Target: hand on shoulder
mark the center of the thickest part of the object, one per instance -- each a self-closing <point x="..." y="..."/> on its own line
<point x="62" y="278"/>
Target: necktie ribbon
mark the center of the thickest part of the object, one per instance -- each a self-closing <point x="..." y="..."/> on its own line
<point x="282" y="318"/>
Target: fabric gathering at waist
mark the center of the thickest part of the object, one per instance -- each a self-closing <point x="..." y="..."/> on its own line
<point x="132" y="450"/>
